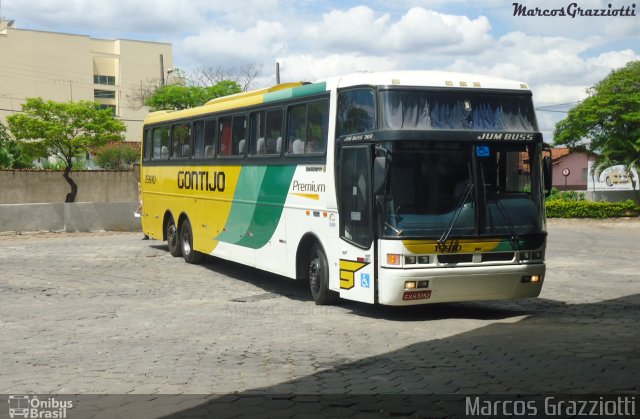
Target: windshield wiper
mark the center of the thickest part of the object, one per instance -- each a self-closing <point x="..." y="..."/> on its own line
<point x="463" y="200"/>
<point x="515" y="240"/>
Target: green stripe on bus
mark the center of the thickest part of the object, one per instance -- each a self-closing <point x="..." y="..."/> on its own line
<point x="257" y="205"/>
<point x="304" y="90"/>
<point x="246" y="195"/>
<point x="269" y="206"/>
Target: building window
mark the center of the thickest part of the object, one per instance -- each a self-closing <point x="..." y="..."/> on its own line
<point x="108" y="80"/>
<point x="104" y="94"/>
<point x="112" y="107"/>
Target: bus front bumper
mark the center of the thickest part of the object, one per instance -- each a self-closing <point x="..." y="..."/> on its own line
<point x="459" y="284"/>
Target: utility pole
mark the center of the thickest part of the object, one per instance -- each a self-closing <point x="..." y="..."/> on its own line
<point x="70" y="90"/>
<point x="277" y="73"/>
<point x="161" y="70"/>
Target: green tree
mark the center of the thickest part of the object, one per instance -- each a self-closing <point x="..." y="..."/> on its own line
<point x="609" y="120"/>
<point x="12" y="155"/>
<point x="67" y="130"/>
<point x="116" y="156"/>
<point x="178" y="96"/>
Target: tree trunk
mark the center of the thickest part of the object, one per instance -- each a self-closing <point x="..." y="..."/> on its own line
<point x="71" y="196"/>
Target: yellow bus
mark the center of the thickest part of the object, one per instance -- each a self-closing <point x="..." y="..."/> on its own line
<point x="396" y="188"/>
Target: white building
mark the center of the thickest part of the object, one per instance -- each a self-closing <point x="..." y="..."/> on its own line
<point x="64" y="67"/>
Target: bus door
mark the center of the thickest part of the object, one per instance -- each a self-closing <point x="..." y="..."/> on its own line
<point x="355" y="247"/>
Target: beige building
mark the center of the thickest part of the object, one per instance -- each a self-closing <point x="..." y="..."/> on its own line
<point x="64" y="67"/>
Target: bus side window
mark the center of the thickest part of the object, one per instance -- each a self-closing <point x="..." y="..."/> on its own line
<point x="297" y="123"/>
<point x="317" y="127"/>
<point x="210" y="138"/>
<point x="256" y="136"/>
<point x="239" y="136"/>
<point x="161" y="143"/>
<point x="181" y="135"/>
<point x="356" y="112"/>
<point x="273" y="132"/>
<point x="225" y="136"/>
<point x="148" y="144"/>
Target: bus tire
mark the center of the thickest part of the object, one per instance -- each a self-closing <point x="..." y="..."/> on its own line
<point x="318" y="274"/>
<point x="172" y="238"/>
<point x="186" y="244"/>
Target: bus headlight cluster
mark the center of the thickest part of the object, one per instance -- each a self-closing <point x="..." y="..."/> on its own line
<point x="398" y="260"/>
<point x="531" y="278"/>
<point x="534" y="255"/>
<point x="410" y="285"/>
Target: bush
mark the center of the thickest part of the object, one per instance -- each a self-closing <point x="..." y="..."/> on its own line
<point x="556" y="195"/>
<point x="588" y="209"/>
<point x="116" y="156"/>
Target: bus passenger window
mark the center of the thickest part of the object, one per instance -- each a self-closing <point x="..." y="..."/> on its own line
<point x="273" y="131"/>
<point x="233" y="136"/>
<point x="210" y="138"/>
<point x="308" y="128"/>
<point x="225" y="136"/>
<point x="266" y="128"/>
<point x="148" y="144"/>
<point x="239" y="135"/>
<point x="161" y="143"/>
<point x="181" y="141"/>
<point x="297" y="129"/>
<point x="317" y="126"/>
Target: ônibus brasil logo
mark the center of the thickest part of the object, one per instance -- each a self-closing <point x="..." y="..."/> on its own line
<point x="22" y="406"/>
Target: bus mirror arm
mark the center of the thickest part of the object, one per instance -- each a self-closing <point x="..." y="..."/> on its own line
<point x="548" y="175"/>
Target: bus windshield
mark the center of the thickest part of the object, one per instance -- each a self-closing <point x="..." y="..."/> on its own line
<point x="426" y="110"/>
<point x="462" y="189"/>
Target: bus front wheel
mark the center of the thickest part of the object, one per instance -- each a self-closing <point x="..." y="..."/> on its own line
<point x="186" y="241"/>
<point x="318" y="271"/>
<point x="172" y="238"/>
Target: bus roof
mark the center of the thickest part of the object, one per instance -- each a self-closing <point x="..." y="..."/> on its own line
<point x="426" y="79"/>
<point x="297" y="89"/>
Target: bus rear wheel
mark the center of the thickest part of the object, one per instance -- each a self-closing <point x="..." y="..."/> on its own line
<point x="172" y="238"/>
<point x="318" y="271"/>
<point x="186" y="243"/>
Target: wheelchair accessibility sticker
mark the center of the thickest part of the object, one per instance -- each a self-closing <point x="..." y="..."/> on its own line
<point x="365" y="280"/>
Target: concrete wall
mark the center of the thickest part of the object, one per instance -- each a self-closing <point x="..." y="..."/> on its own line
<point x="22" y="187"/>
<point x="80" y="216"/>
<point x="613" y="196"/>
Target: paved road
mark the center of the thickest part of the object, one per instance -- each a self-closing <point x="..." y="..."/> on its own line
<point x="108" y="313"/>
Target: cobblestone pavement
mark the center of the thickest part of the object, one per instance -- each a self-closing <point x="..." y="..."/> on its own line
<point x="108" y="313"/>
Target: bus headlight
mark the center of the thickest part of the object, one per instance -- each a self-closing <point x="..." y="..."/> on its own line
<point x="409" y="260"/>
<point x="423" y="260"/>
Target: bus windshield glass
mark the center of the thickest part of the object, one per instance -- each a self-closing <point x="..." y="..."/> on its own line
<point x="462" y="189"/>
<point x="419" y="110"/>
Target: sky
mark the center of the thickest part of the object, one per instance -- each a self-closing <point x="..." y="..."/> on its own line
<point x="560" y="57"/>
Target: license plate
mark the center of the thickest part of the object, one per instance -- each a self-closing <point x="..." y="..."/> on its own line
<point x="416" y="295"/>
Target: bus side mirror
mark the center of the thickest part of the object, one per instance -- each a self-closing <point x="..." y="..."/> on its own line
<point x="548" y="175"/>
<point x="379" y="175"/>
